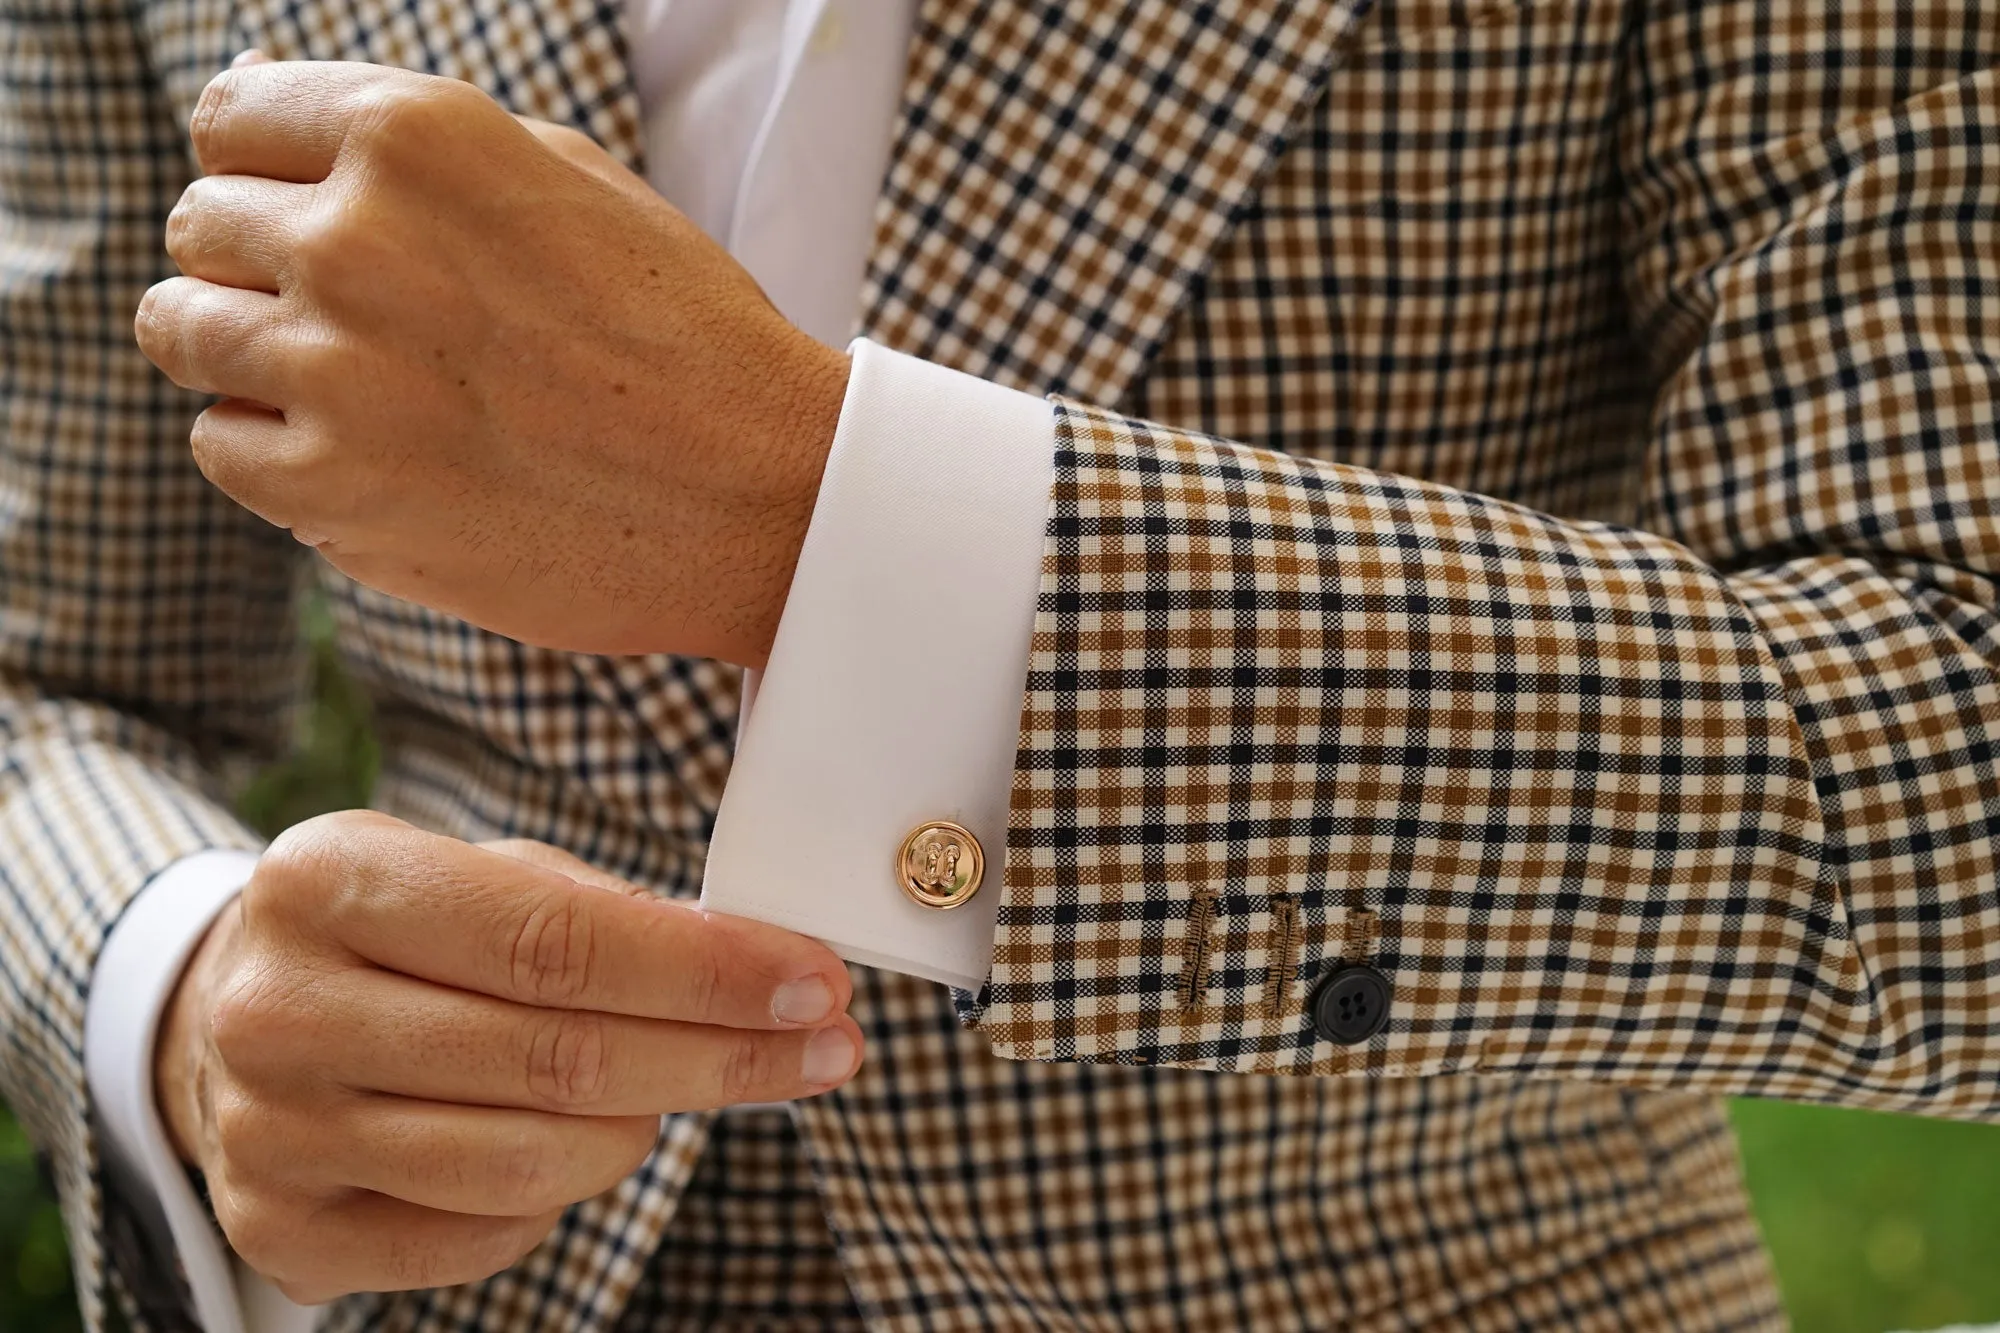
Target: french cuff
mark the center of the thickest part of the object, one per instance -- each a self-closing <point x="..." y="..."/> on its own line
<point x="134" y="978"/>
<point x="876" y="752"/>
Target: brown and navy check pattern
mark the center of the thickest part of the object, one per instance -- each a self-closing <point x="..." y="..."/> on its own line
<point x="1567" y="581"/>
<point x="1709" y="800"/>
<point x="749" y="1250"/>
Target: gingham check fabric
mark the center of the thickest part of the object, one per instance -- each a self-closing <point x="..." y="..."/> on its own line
<point x="1709" y="801"/>
<point x="1628" y="815"/>
<point x="748" y="1250"/>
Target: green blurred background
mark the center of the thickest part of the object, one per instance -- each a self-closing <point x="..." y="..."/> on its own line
<point x="1877" y="1222"/>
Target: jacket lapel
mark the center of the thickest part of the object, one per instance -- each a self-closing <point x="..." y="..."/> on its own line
<point x="560" y="60"/>
<point x="1060" y="176"/>
<point x="1062" y="173"/>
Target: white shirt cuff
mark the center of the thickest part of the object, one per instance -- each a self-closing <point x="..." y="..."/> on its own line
<point x="129" y="988"/>
<point x="893" y="693"/>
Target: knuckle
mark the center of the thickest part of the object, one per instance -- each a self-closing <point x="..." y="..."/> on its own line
<point x="211" y="111"/>
<point x="553" y="953"/>
<point x="238" y="1123"/>
<point x="192" y="230"/>
<point x="746" y="1070"/>
<point x="201" y="326"/>
<point x="212" y="455"/>
<point x="701" y="980"/>
<point x="336" y="252"/>
<point x="569" y="1064"/>
<point x="312" y="866"/>
<point x="521" y="1170"/>
<point x="266" y="1023"/>
<point x="407" y="112"/>
<point x="301" y="861"/>
<point x="250" y="1019"/>
<point x="157" y="321"/>
<point x="181" y="220"/>
<point x="320" y="249"/>
<point x="382" y="111"/>
<point x="260" y="1146"/>
<point x="312" y="375"/>
<point x="258" y="1149"/>
<point x="205" y="445"/>
<point x="343" y="259"/>
<point x="260" y="1230"/>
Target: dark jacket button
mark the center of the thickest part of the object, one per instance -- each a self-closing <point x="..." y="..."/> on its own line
<point x="1349" y="1004"/>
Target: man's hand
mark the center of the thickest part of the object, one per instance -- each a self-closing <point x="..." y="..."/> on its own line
<point x="480" y="365"/>
<point x="400" y="1056"/>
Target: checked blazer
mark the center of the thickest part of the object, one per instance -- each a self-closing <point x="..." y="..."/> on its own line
<point x="1565" y="579"/>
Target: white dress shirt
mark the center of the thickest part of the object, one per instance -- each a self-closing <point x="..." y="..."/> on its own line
<point x="893" y="689"/>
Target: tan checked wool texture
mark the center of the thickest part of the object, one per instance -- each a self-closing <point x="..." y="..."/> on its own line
<point x="1567" y="579"/>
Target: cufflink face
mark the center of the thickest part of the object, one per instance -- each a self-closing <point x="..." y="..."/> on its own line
<point x="940" y="865"/>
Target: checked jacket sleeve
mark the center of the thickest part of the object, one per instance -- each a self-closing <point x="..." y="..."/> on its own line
<point x="1707" y="802"/>
<point x="147" y="641"/>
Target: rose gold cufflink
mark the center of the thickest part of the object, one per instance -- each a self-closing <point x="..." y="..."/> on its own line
<point x="940" y="865"/>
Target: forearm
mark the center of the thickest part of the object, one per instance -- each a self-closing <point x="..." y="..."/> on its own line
<point x="1563" y="787"/>
<point x="96" y="807"/>
<point x="144" y="635"/>
<point x="1556" y="781"/>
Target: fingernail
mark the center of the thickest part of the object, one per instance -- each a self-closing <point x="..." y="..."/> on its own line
<point x="251" y="57"/>
<point x="829" y="1055"/>
<point x="807" y="1000"/>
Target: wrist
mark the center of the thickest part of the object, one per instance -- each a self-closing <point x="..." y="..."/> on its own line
<point x="800" y="411"/>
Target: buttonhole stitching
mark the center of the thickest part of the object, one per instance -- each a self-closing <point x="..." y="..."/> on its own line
<point x="1195" y="948"/>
